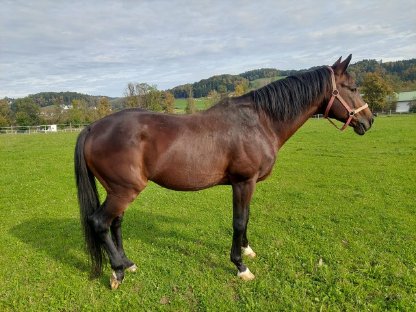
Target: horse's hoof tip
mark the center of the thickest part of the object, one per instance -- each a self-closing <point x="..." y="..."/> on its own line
<point x="114" y="282"/>
<point x="246" y="275"/>
<point x="132" y="268"/>
<point x="251" y="255"/>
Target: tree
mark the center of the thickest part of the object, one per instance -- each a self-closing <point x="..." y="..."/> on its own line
<point x="144" y="96"/>
<point x="152" y="99"/>
<point x="103" y="107"/>
<point x="131" y="97"/>
<point x="240" y="89"/>
<point x="5" y="113"/>
<point x="27" y="112"/>
<point x="213" y="98"/>
<point x="190" y="102"/>
<point x="168" y="102"/>
<point x="222" y="90"/>
<point x="377" y="92"/>
<point x="80" y="112"/>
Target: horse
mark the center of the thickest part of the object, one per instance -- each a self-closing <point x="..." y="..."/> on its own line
<point x="235" y="142"/>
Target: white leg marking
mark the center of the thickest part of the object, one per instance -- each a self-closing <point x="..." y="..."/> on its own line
<point x="247" y="251"/>
<point x="246" y="275"/>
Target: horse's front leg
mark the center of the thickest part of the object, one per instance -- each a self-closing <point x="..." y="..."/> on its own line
<point x="245" y="247"/>
<point x="242" y="193"/>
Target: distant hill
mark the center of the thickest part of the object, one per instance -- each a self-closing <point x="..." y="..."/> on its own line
<point x="401" y="74"/>
<point x="220" y="83"/>
<point x="260" y="73"/>
<point x="44" y="99"/>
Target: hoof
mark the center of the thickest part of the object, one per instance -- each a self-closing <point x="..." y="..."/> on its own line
<point x="246" y="275"/>
<point x="114" y="282"/>
<point x="132" y="268"/>
<point x="247" y="251"/>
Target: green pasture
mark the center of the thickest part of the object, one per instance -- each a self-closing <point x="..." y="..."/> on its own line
<point x="334" y="229"/>
<point x="200" y="103"/>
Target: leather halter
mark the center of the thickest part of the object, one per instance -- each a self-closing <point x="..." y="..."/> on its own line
<point x="335" y="94"/>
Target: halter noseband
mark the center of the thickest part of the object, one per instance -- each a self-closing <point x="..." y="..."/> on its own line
<point x="335" y="94"/>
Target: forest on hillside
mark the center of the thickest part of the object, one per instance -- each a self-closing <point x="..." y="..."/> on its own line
<point x="401" y="75"/>
<point x="381" y="79"/>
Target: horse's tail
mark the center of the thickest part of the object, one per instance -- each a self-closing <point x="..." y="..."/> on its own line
<point x="88" y="202"/>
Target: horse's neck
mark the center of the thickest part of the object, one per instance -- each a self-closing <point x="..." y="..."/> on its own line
<point x="284" y="130"/>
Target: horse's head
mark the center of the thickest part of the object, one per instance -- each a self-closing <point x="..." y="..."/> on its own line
<point x="346" y="104"/>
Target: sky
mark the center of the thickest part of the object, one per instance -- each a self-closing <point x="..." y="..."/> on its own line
<point x="97" y="47"/>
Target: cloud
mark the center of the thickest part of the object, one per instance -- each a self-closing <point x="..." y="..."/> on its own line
<point x="97" y="47"/>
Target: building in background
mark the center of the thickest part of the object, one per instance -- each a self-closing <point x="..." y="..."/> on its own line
<point x="403" y="101"/>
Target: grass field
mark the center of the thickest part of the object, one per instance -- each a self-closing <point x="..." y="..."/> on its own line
<point x="334" y="229"/>
<point x="180" y="104"/>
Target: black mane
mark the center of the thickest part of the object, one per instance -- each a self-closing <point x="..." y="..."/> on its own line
<point x="287" y="98"/>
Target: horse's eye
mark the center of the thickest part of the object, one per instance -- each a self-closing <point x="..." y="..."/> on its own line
<point x="352" y="88"/>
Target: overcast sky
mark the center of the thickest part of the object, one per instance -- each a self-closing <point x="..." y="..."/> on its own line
<point x="97" y="47"/>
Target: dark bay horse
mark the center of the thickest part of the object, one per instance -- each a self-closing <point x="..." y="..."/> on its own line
<point x="234" y="142"/>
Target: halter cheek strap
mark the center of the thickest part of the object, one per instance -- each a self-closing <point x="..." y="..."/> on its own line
<point x="335" y="94"/>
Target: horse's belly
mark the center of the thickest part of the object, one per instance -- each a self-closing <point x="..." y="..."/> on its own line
<point x="183" y="172"/>
<point x="187" y="179"/>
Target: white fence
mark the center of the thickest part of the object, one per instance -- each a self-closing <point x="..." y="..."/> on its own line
<point x="42" y="129"/>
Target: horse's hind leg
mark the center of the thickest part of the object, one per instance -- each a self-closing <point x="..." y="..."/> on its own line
<point x="118" y="241"/>
<point x="101" y="220"/>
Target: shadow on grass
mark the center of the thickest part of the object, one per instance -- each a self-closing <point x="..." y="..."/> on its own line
<point x="61" y="238"/>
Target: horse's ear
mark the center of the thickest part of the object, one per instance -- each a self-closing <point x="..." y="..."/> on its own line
<point x="341" y="67"/>
<point x="337" y="63"/>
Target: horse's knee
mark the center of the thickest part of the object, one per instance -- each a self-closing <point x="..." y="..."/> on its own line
<point x="239" y="226"/>
<point x="117" y="222"/>
<point x="99" y="227"/>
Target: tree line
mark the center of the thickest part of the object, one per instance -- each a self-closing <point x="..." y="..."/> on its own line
<point x="222" y="84"/>
<point x="26" y="112"/>
<point x="378" y="82"/>
<point x="75" y="108"/>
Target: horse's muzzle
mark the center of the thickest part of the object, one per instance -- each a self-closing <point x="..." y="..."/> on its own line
<point x="363" y="125"/>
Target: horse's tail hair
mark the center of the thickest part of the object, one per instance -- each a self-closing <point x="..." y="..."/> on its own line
<point x="89" y="201"/>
